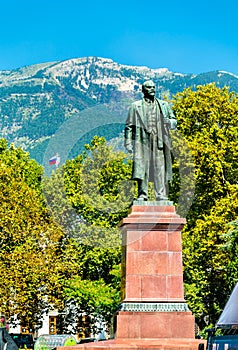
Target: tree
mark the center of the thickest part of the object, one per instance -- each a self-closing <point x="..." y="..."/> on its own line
<point x="209" y="256"/>
<point x="230" y="248"/>
<point x="30" y="255"/>
<point x="90" y="195"/>
<point x="101" y="185"/>
<point x="208" y="122"/>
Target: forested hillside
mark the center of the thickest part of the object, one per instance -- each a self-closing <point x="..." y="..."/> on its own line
<point x="36" y="101"/>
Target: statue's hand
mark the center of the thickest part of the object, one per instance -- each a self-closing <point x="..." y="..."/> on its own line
<point x="173" y="124"/>
<point x="170" y="123"/>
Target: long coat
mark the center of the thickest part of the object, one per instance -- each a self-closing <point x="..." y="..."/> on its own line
<point x="136" y="137"/>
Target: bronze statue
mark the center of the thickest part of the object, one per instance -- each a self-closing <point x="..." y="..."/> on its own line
<point x="147" y="137"/>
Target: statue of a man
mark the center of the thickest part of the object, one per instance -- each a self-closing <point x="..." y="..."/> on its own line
<point x="147" y="137"/>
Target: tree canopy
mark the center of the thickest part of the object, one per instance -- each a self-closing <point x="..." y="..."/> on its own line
<point x="31" y="268"/>
<point x="208" y="122"/>
<point x="90" y="195"/>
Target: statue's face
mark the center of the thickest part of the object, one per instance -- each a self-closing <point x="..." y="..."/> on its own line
<point x="148" y="89"/>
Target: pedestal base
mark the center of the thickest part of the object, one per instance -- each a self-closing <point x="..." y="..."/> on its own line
<point x="154" y="325"/>
<point x="139" y="344"/>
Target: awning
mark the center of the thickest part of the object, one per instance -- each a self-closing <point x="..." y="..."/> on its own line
<point x="229" y="316"/>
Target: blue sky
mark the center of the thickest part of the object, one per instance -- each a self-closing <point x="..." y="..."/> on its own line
<point x="184" y="36"/>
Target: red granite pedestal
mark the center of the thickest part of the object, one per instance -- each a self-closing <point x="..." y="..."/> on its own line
<point x="153" y="313"/>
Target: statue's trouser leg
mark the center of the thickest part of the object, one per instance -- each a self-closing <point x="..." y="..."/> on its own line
<point x="158" y="168"/>
<point x="143" y="188"/>
<point x="143" y="183"/>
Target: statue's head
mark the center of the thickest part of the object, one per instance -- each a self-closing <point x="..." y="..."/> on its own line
<point x="148" y="89"/>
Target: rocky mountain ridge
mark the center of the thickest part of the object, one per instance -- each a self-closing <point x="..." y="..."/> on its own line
<point x="36" y="100"/>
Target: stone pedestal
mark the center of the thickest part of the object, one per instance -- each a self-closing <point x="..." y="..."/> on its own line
<point x="152" y="276"/>
<point x="152" y="256"/>
<point x="153" y="313"/>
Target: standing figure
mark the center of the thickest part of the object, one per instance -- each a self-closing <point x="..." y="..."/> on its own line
<point x="147" y="137"/>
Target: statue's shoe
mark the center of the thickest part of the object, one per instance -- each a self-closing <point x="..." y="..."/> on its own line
<point x="141" y="198"/>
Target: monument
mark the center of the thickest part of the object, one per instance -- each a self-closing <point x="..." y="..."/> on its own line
<point x="153" y="313"/>
<point x="147" y="138"/>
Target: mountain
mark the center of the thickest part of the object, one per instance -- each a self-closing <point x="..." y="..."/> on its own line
<point x="56" y="107"/>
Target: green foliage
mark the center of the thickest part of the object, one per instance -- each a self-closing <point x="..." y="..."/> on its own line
<point x="88" y="197"/>
<point x="97" y="184"/>
<point x="59" y="207"/>
<point x="95" y="298"/>
<point x="30" y="241"/>
<point x="208" y="122"/>
<point x="105" y="191"/>
<point x="229" y="247"/>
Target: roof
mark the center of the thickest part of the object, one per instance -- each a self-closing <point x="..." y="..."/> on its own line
<point x="229" y="316"/>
